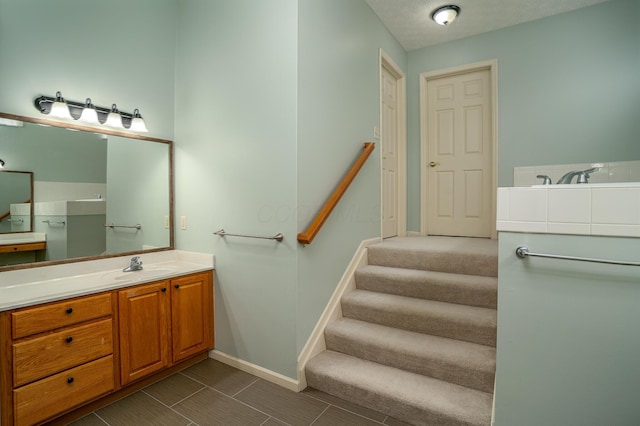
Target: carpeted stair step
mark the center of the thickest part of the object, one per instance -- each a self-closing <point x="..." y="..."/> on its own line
<point x="463" y="289"/>
<point x="455" y="361"/>
<point x="461" y="322"/>
<point x="406" y="396"/>
<point x="458" y="255"/>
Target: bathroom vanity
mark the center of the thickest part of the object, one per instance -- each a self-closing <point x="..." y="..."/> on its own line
<point x="94" y="333"/>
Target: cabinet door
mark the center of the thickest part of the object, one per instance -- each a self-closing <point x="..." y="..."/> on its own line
<point x="191" y="315"/>
<point x="143" y="330"/>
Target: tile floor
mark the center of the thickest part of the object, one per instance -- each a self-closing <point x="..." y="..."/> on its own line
<point x="213" y="393"/>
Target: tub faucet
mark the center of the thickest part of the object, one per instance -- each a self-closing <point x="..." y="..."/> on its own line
<point x="135" y="265"/>
<point x="583" y="176"/>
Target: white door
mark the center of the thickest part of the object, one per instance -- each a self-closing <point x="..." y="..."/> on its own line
<point x="389" y="154"/>
<point x="459" y="168"/>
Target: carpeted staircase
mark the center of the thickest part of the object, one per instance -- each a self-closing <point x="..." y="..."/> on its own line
<point x="417" y="337"/>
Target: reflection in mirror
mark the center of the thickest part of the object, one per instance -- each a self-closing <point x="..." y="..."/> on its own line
<point x="95" y="194"/>
<point x="16" y="189"/>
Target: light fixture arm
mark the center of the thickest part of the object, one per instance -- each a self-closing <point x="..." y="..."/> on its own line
<point x="43" y="104"/>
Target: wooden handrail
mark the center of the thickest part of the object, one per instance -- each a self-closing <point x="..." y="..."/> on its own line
<point x="307" y="236"/>
<point x="8" y="213"/>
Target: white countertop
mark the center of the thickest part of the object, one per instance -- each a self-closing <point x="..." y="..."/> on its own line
<point x="25" y="287"/>
<point x="22" y="238"/>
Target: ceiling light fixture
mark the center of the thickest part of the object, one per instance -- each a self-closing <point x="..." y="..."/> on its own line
<point x="88" y="113"/>
<point x="445" y="14"/>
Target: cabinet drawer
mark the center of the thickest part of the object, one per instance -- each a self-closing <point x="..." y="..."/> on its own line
<point x="61" y="314"/>
<point x="39" y="357"/>
<point x="56" y="394"/>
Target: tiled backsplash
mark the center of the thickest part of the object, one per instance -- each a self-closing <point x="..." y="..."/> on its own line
<point x="620" y="171"/>
<point x="600" y="209"/>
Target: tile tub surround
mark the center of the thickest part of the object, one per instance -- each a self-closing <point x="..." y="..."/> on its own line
<point x="613" y="172"/>
<point x="607" y="209"/>
<point x="26" y="287"/>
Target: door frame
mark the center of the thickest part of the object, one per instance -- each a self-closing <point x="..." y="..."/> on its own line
<point x="401" y="140"/>
<point x="492" y="66"/>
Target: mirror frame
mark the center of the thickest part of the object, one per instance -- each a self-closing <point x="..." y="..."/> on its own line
<point x="73" y="126"/>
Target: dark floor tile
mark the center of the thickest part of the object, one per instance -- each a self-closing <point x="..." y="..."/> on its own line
<point x="358" y="409"/>
<point x="219" y="376"/>
<point x="273" y="422"/>
<point x="209" y="407"/>
<point x="173" y="389"/>
<point x="283" y="404"/>
<point x="395" y="422"/>
<point x="90" y="420"/>
<point x="140" y="409"/>
<point x="335" y="416"/>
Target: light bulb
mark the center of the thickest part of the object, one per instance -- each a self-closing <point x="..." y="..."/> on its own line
<point x="114" y="119"/>
<point x="59" y="108"/>
<point x="89" y="114"/>
<point x="137" y="123"/>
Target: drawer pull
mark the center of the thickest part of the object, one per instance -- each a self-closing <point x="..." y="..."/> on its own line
<point x="69" y="310"/>
<point x="164" y="289"/>
<point x="70" y="380"/>
<point x="177" y="286"/>
<point x="69" y="339"/>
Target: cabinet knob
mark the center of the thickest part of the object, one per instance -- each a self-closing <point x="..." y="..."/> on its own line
<point x="164" y="289"/>
<point x="69" y="339"/>
<point x="70" y="380"/>
<point x="177" y="286"/>
<point x="69" y="310"/>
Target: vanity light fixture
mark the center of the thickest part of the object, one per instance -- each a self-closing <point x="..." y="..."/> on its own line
<point x="88" y="113"/>
<point x="445" y="14"/>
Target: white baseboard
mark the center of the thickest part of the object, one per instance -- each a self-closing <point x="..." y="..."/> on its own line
<point x="256" y="370"/>
<point x="316" y="344"/>
<point x="413" y="234"/>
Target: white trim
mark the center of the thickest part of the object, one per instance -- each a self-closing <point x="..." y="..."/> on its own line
<point x="492" y="66"/>
<point x="256" y="370"/>
<point x="401" y="137"/>
<point x="316" y="344"/>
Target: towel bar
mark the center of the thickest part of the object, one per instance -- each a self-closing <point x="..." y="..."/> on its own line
<point x="278" y="237"/>
<point x="523" y="252"/>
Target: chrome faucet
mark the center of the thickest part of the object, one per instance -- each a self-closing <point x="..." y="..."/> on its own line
<point x="135" y="265"/>
<point x="583" y="176"/>
<point x="546" y="180"/>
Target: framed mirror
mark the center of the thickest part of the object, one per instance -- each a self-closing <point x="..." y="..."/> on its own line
<point x="16" y="193"/>
<point x="88" y="193"/>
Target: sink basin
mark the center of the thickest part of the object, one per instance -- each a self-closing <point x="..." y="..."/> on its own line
<point x="144" y="274"/>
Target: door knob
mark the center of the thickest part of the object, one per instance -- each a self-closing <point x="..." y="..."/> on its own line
<point x="433" y="164"/>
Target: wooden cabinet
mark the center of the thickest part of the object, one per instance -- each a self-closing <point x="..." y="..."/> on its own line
<point x="144" y="330"/>
<point x="191" y="315"/>
<point x="163" y="323"/>
<point x="57" y="357"/>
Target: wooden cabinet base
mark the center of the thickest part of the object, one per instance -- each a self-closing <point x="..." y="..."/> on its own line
<point x="40" y="400"/>
<point x="108" y="399"/>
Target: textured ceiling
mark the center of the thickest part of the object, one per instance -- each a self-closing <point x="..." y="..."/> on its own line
<point x="411" y="24"/>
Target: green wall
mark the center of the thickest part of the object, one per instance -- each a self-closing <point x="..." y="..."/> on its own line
<point x="115" y="51"/>
<point x="273" y="103"/>
<point x="338" y="107"/>
<point x="568" y="336"/>
<point x="568" y="90"/>
<point x="236" y="162"/>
